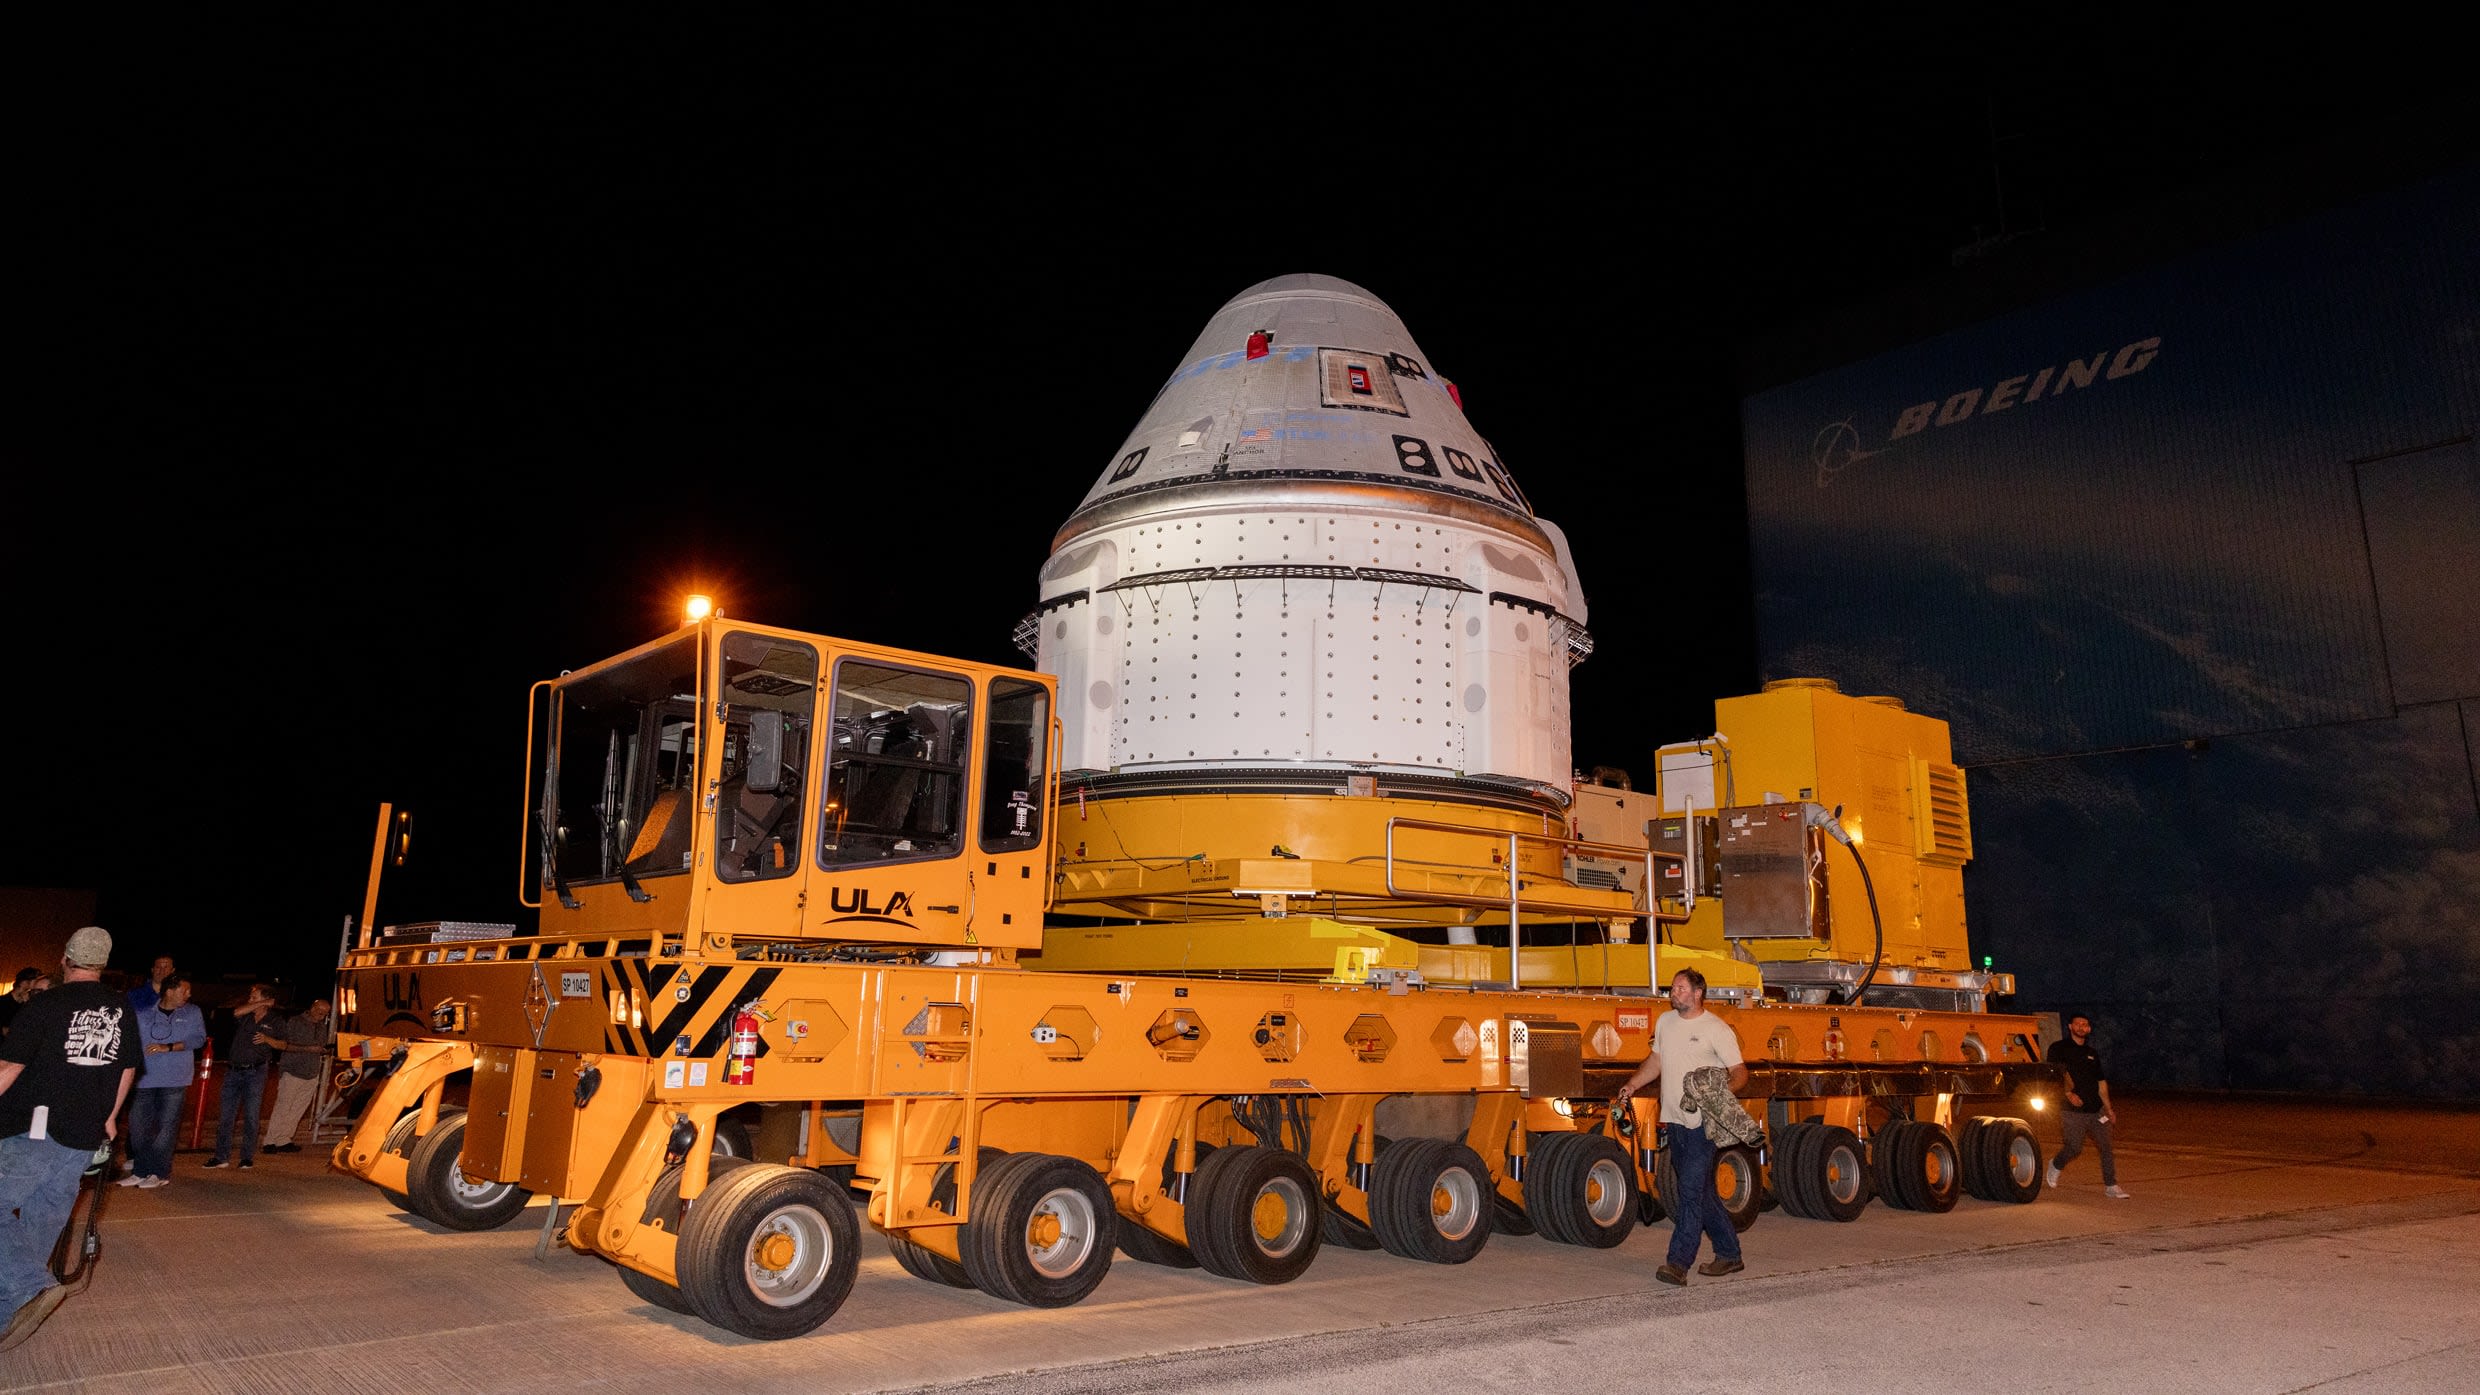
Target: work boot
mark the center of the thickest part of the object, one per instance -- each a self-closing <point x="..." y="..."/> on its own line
<point x="30" y="1315"/>
<point x="1672" y="1274"/>
<point x="1716" y="1267"/>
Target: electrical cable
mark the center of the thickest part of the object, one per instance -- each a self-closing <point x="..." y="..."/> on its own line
<point x="1879" y="956"/>
<point x="1815" y="816"/>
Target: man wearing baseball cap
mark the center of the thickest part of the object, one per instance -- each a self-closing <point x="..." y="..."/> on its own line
<point x="64" y="1071"/>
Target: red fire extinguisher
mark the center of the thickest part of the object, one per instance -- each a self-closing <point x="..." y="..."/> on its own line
<point x="742" y="1069"/>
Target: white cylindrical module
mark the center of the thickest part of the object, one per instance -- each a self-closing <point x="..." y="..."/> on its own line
<point x="1305" y="561"/>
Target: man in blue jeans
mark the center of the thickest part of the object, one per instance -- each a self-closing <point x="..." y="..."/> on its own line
<point x="1685" y="1039"/>
<point x="173" y="1031"/>
<point x="245" y="1079"/>
<point x="64" y="1071"/>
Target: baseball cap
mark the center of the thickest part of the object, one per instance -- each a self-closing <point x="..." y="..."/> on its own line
<point x="90" y="948"/>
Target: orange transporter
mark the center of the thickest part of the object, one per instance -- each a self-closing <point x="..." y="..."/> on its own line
<point x="792" y="974"/>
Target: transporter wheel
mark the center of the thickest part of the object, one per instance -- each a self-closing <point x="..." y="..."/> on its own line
<point x="1041" y="1230"/>
<point x="439" y="1191"/>
<point x="1429" y="1199"/>
<point x="1890" y="1162"/>
<point x="1968" y="1149"/>
<point x="1253" y="1215"/>
<point x="1739" y="1184"/>
<point x="400" y="1142"/>
<point x="664" y="1208"/>
<point x="733" y="1139"/>
<point x="1790" y="1172"/>
<point x="2011" y="1161"/>
<point x="1651" y="1208"/>
<point x="1509" y="1218"/>
<point x="1837" y="1174"/>
<point x="769" y="1251"/>
<point x="1582" y="1190"/>
<point x="1932" y="1168"/>
<point x="922" y="1262"/>
<point x="1147" y="1247"/>
<point x="653" y="1290"/>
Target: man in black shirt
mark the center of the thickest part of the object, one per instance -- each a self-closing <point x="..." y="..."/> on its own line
<point x="2088" y="1112"/>
<point x="245" y="1079"/>
<point x="66" y="1067"/>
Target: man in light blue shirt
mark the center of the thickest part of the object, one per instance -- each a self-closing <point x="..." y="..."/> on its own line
<point x="172" y="1030"/>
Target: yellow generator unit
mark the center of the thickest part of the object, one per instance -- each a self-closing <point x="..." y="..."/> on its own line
<point x="1753" y="812"/>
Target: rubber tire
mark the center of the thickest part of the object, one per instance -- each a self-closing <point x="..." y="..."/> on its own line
<point x="1223" y="1221"/>
<point x="1935" y="1171"/>
<point x="1564" y="1168"/>
<point x="1010" y="1193"/>
<point x="432" y="1175"/>
<point x="2012" y="1161"/>
<point x="1890" y="1163"/>
<point x="400" y="1141"/>
<point x="1508" y="1217"/>
<point x="1968" y="1147"/>
<point x="1751" y="1199"/>
<point x="1145" y="1246"/>
<point x="724" y="1222"/>
<point x="1790" y="1168"/>
<point x="1837" y="1151"/>
<point x="734" y="1140"/>
<point x="1649" y="1205"/>
<point x="663" y="1204"/>
<point x="922" y="1262"/>
<point x="1403" y="1211"/>
<point x="1751" y="1202"/>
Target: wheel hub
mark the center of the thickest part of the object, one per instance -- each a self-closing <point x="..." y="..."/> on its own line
<point x="776" y="1251"/>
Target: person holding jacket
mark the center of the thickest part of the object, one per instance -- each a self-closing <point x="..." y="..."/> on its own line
<point x="172" y="1031"/>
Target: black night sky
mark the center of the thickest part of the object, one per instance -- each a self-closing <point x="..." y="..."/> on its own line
<point x="398" y="360"/>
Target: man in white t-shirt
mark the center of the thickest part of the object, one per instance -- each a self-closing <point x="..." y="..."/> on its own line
<point x="1686" y="1038"/>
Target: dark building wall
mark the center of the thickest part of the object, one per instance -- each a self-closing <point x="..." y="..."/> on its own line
<point x="2208" y="632"/>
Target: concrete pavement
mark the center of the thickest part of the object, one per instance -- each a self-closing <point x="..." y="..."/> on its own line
<point x="2270" y="1246"/>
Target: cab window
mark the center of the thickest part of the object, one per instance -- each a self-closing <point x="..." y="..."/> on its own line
<point x="767" y="696"/>
<point x="1014" y="765"/>
<point x="896" y="769"/>
<point x="622" y="770"/>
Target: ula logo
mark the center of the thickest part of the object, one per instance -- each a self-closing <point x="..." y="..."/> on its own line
<point x="858" y="903"/>
<point x="400" y="992"/>
<point x="1839" y="445"/>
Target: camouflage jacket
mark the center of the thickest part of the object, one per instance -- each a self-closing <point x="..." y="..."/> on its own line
<point x="1707" y="1091"/>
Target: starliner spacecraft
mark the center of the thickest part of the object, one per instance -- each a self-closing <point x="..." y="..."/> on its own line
<point x="1312" y="645"/>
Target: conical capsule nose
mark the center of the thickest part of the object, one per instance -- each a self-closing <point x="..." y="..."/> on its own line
<point x="1304" y="378"/>
<point x="1306" y="559"/>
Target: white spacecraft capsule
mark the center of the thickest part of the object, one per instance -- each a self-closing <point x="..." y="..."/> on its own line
<point x="1305" y="563"/>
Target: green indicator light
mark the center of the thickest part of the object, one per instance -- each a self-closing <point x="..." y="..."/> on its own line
<point x="1989" y="961"/>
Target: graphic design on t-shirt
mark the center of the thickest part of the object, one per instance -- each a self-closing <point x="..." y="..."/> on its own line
<point x="94" y="1037"/>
